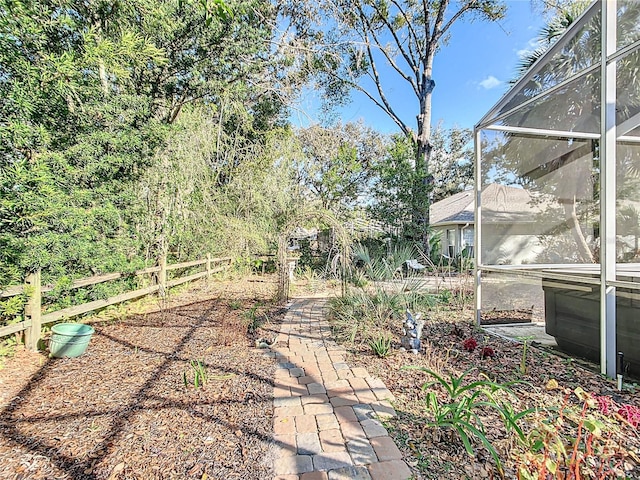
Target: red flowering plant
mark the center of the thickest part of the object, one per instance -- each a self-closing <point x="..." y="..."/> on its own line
<point x="487" y="352"/>
<point x="470" y="344"/>
<point x="605" y="404"/>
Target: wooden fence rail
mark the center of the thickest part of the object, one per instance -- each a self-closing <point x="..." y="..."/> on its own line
<point x="33" y="288"/>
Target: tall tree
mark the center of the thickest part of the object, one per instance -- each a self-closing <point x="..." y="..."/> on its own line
<point x="358" y="37"/>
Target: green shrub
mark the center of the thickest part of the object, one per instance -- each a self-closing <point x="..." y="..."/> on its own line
<point x="254" y="320"/>
<point x="381" y="268"/>
<point x="359" y="311"/>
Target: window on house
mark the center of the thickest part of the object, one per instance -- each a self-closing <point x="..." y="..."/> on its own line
<point x="451" y="242"/>
<point x="467" y="241"/>
<point x="467" y="237"/>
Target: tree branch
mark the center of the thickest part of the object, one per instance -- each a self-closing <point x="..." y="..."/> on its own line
<point x="413" y="37"/>
<point x="437" y="35"/>
<point x="427" y="23"/>
<point x="410" y="61"/>
<point x="383" y="99"/>
<point x="389" y="58"/>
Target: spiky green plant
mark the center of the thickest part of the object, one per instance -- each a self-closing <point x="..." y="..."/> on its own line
<point x="378" y="308"/>
<point x="198" y="372"/>
<point x="381" y="345"/>
<point x="383" y="267"/>
<point x="459" y="412"/>
<point x="254" y="321"/>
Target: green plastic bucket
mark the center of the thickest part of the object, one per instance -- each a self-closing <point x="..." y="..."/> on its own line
<point x="69" y="339"/>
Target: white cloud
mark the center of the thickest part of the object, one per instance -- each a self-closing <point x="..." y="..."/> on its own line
<point x="532" y="45"/>
<point x="490" y="82"/>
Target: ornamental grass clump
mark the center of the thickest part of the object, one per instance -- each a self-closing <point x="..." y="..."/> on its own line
<point x="381" y="345"/>
<point x="199" y="374"/>
<point x="360" y="311"/>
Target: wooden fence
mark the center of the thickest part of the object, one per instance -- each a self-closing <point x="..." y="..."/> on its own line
<point x="33" y="288"/>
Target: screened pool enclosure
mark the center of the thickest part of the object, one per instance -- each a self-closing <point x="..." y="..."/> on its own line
<point x="558" y="192"/>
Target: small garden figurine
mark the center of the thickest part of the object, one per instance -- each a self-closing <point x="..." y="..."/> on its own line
<point x="411" y="332"/>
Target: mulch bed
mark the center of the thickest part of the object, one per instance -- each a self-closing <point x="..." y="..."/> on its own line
<point x="122" y="410"/>
<point x="507" y="317"/>
<point x="437" y="453"/>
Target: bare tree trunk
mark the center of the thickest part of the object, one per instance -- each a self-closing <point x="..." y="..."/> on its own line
<point x="423" y="182"/>
<point x="571" y="217"/>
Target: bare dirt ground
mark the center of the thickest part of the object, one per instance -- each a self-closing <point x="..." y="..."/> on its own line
<point x="122" y="410"/>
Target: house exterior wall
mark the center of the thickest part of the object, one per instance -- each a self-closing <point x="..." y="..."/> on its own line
<point x="511" y="249"/>
<point x="512" y="244"/>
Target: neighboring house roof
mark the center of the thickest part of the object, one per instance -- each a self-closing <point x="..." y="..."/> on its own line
<point x="457" y="208"/>
<point x="501" y="202"/>
<point x="508" y="204"/>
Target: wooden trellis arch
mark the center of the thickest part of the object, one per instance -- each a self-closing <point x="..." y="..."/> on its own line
<point x="342" y="236"/>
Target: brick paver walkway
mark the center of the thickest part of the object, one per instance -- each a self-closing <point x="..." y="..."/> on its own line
<point x="327" y="414"/>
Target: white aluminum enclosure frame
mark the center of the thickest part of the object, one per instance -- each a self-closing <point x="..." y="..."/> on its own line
<point x="608" y="136"/>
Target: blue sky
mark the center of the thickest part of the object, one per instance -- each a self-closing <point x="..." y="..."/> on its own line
<point x="471" y="72"/>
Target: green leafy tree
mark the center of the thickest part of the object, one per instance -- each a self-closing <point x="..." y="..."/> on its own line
<point x="335" y="163"/>
<point x="204" y="196"/>
<point x="65" y="147"/>
<point x="451" y="162"/>
<point x="89" y="94"/>
<point x="392" y="186"/>
<point x="394" y="175"/>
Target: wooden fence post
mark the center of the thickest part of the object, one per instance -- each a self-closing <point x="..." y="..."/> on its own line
<point x="208" y="266"/>
<point x="33" y="310"/>
<point x="162" y="276"/>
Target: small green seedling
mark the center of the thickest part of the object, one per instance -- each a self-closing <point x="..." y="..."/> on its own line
<point x="199" y="370"/>
<point x="523" y="359"/>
